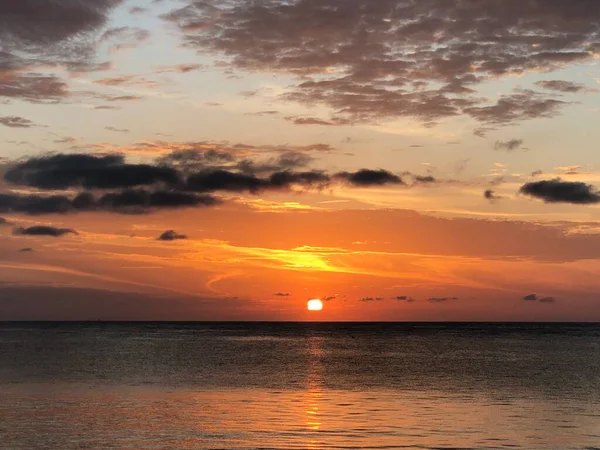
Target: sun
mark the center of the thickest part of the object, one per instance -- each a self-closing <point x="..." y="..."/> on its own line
<point x="314" y="305"/>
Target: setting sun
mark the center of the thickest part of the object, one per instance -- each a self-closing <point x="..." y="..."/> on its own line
<point x="314" y="305"/>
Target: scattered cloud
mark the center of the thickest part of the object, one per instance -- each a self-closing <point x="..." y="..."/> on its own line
<point x="126" y="201"/>
<point x="117" y="130"/>
<point x="428" y="60"/>
<point x="122" y="38"/>
<point x="538" y="298"/>
<point x="368" y="177"/>
<point x="371" y="299"/>
<point x="558" y="191"/>
<point x="180" y="68"/>
<point x="282" y="294"/>
<point x="561" y="86"/>
<point x="491" y="195"/>
<point x="25" y="250"/>
<point x="16" y="122"/>
<point x="124" y="98"/>
<point x="404" y="298"/>
<point x="509" y="146"/>
<point x="299" y="120"/>
<point x="441" y="299"/>
<point x="171" y="235"/>
<point x="43" y="230"/>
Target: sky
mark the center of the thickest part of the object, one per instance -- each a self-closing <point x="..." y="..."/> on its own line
<point x="401" y="160"/>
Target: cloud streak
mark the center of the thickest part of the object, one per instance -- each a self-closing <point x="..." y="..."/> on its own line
<point x="43" y="230"/>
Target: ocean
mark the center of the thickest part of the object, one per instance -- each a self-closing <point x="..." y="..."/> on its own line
<point x="299" y="386"/>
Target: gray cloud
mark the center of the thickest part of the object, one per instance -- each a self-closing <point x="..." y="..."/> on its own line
<point x="539" y="299"/>
<point x="282" y="294"/>
<point x="25" y="250"/>
<point x="118" y="130"/>
<point x="509" y="146"/>
<point x="171" y="235"/>
<point x="16" y="122"/>
<point x="368" y="177"/>
<point x="182" y="179"/>
<point x="441" y="299"/>
<point x="404" y="298"/>
<point x="371" y="299"/>
<point x="127" y="201"/>
<point x="47" y="33"/>
<point x="561" y="86"/>
<point x="43" y="230"/>
<point x="61" y="171"/>
<point x="376" y="60"/>
<point x="558" y="191"/>
<point x="491" y="195"/>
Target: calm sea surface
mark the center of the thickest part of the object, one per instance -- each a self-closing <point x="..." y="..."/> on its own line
<point x="299" y="386"/>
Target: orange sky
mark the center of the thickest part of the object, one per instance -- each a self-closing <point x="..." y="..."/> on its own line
<point x="400" y="161"/>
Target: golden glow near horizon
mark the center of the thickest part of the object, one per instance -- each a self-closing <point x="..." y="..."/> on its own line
<point x="391" y="186"/>
<point x="314" y="305"/>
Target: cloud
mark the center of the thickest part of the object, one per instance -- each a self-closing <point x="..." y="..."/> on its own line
<point x="47" y="34"/>
<point x="183" y="178"/>
<point x="127" y="201"/>
<point x="141" y="200"/>
<point x="441" y="299"/>
<point x="180" y="68"/>
<point x="539" y="299"/>
<point x="298" y="120"/>
<point x="537" y="173"/>
<point x="3" y="221"/>
<point x="558" y="191"/>
<point x="224" y="180"/>
<point x="368" y="177"/>
<point x="508" y="146"/>
<point x="371" y="61"/>
<point x="124" y="98"/>
<point x="43" y="230"/>
<point x="16" y="122"/>
<point x="371" y="299"/>
<point x="171" y="235"/>
<point x="491" y="195"/>
<point x="127" y="80"/>
<point x="122" y="38"/>
<point x="25" y="250"/>
<point x="63" y="171"/>
<point x="515" y="107"/>
<point x="106" y="107"/>
<point x="32" y="24"/>
<point x="561" y="86"/>
<point x="404" y="298"/>
<point x="34" y="204"/>
<point x="282" y="294"/>
<point x="118" y="130"/>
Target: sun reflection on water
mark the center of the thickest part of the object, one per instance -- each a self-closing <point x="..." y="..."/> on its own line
<point x="314" y="393"/>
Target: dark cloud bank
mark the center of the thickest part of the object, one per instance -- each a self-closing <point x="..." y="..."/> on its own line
<point x="183" y="179"/>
